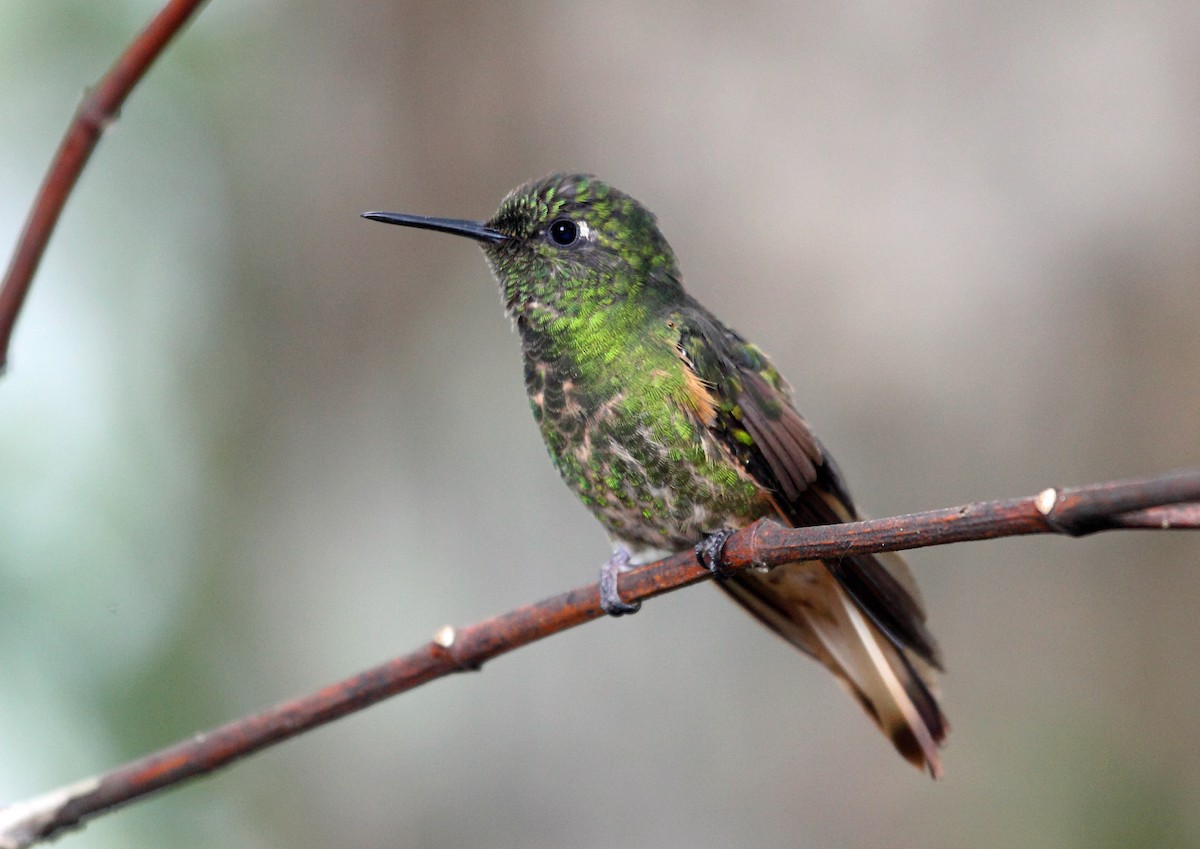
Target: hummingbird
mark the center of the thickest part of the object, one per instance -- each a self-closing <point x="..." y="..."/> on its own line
<point x="674" y="431"/>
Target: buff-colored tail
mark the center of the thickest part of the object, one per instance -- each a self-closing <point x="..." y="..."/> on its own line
<point x="806" y="605"/>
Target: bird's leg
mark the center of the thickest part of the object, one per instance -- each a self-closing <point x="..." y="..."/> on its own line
<point x="710" y="553"/>
<point x="610" y="599"/>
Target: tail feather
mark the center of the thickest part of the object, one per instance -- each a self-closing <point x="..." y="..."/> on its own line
<point x="805" y="604"/>
<point x="903" y="706"/>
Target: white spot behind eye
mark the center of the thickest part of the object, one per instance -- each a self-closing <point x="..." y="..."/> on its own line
<point x="585" y="232"/>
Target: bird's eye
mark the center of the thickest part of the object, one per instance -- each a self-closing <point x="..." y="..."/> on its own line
<point x="564" y="232"/>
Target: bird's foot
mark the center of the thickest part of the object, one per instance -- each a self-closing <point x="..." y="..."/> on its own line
<point x="710" y="553"/>
<point x="610" y="599"/>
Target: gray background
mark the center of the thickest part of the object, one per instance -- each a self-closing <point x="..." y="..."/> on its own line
<point x="252" y="443"/>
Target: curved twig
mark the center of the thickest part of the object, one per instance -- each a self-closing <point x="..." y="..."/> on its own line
<point x="1171" y="501"/>
<point x="99" y="108"/>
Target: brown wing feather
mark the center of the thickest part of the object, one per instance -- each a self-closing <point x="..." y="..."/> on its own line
<point x="787" y="443"/>
<point x="789" y="462"/>
<point x="859" y="616"/>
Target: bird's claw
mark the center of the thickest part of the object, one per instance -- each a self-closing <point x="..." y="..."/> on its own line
<point x="710" y="553"/>
<point x="610" y="599"/>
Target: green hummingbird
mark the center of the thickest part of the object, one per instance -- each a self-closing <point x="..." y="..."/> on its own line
<point x="674" y="430"/>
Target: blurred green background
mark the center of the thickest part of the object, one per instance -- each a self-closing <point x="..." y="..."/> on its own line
<point x="252" y="443"/>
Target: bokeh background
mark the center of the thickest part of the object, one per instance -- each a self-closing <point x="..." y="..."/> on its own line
<point x="252" y="443"/>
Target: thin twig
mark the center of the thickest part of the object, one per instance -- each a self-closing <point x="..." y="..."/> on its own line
<point x="1171" y="501"/>
<point x="99" y="108"/>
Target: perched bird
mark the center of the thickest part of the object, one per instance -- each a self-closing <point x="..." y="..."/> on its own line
<point x="673" y="429"/>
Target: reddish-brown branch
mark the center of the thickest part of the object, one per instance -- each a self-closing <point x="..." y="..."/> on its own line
<point x="1171" y="501"/>
<point x="99" y="108"/>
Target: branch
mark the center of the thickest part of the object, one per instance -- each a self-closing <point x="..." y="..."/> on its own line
<point x="99" y="108"/>
<point x="1170" y="501"/>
